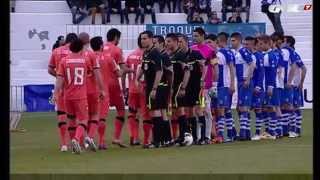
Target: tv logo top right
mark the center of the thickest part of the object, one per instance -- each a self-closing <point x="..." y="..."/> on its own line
<point x="275" y="8"/>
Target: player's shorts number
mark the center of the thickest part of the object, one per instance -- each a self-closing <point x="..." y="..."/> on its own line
<point x="78" y="75"/>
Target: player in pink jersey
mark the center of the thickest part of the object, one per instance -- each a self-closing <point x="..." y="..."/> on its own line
<point x="71" y="77"/>
<point x="53" y="66"/>
<point x="209" y="83"/>
<point x="137" y="98"/>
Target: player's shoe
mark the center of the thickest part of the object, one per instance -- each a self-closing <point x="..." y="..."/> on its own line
<point x="64" y="148"/>
<point x="268" y="136"/>
<point x="207" y="141"/>
<point x="148" y="146"/>
<point x="219" y="140"/>
<point x="75" y="146"/>
<point x="102" y="147"/>
<point x="135" y="143"/>
<point x="293" y="135"/>
<point x="256" y="138"/>
<point x="90" y="142"/>
<point x="117" y="142"/>
<point x="228" y="140"/>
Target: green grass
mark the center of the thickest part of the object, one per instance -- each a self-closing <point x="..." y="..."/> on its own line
<point x="36" y="151"/>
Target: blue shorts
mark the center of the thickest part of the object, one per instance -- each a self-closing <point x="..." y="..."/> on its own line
<point x="273" y="100"/>
<point x="245" y="95"/>
<point x="286" y="96"/>
<point x="257" y="100"/>
<point x="297" y="97"/>
<point x="223" y="97"/>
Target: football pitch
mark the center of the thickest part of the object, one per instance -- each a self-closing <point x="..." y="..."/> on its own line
<point x="36" y="152"/>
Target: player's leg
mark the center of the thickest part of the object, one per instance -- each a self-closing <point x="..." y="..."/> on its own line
<point x="257" y="101"/>
<point x="104" y="110"/>
<point x="117" y="100"/>
<point x="208" y="122"/>
<point x="71" y="115"/>
<point x="191" y="101"/>
<point x="93" y="104"/>
<point x="147" y="123"/>
<point x="298" y="112"/>
<point x="62" y="123"/>
<point x="162" y="99"/>
<point x="132" y="123"/>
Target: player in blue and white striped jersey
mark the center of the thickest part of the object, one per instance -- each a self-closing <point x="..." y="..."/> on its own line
<point x="297" y="83"/>
<point x="244" y="70"/>
<point x="270" y="82"/>
<point x="226" y="87"/>
<point x="257" y="80"/>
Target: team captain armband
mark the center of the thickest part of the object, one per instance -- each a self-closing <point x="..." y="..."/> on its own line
<point x="214" y="61"/>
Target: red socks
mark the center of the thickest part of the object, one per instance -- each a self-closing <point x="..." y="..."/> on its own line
<point x="175" y="126"/>
<point x="62" y="132"/>
<point x="72" y="128"/>
<point x="102" y="131"/>
<point x="79" y="133"/>
<point x="93" y="126"/>
<point x="118" y="124"/>
<point x="147" y="127"/>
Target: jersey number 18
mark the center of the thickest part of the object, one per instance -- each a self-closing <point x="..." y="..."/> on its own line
<point x="78" y="76"/>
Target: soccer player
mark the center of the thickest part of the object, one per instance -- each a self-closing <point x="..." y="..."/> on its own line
<point x="167" y="78"/>
<point x="244" y="71"/>
<point x="53" y="66"/>
<point x="181" y="75"/>
<point x="156" y="92"/>
<point x="117" y="100"/>
<point x="277" y="40"/>
<point x="208" y="84"/>
<point x="195" y="61"/>
<point x="72" y="77"/>
<point x="211" y="40"/>
<point x="251" y="43"/>
<point x="298" y="80"/>
<point x="108" y="66"/>
<point x="226" y="87"/>
<point x="95" y="87"/>
<point x="136" y="100"/>
<point x="272" y="96"/>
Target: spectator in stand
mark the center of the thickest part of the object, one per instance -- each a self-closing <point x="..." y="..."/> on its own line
<point x="147" y="8"/>
<point x="95" y="6"/>
<point x="132" y="6"/>
<point x="189" y="6"/>
<point x="60" y="42"/>
<point x="196" y="18"/>
<point x="213" y="18"/>
<point x="114" y="7"/>
<point x="204" y="6"/>
<point x="162" y="5"/>
<point x="77" y="8"/>
<point x="235" y="5"/>
<point x="274" y="17"/>
<point x="176" y="4"/>
<point x="235" y="18"/>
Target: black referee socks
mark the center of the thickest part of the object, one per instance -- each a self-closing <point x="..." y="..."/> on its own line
<point x="157" y="121"/>
<point x="183" y="126"/>
<point x="193" y="127"/>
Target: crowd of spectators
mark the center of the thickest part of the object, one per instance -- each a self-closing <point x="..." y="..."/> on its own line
<point x="195" y="9"/>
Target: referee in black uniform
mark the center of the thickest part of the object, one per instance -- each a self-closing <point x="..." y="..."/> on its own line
<point x="195" y="62"/>
<point x="181" y="76"/>
<point x="152" y="68"/>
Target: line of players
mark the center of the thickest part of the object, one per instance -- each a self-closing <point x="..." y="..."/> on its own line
<point x="191" y="86"/>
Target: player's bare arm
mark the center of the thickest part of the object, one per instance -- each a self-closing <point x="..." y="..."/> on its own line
<point x="232" y="78"/>
<point x="292" y="72"/>
<point x="303" y="76"/>
<point x="52" y="71"/>
<point x="99" y="80"/>
<point x="185" y="80"/>
<point x="58" y="87"/>
<point x="251" y="68"/>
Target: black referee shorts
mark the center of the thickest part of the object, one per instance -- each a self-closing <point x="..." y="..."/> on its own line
<point x="161" y="100"/>
<point x="192" y="97"/>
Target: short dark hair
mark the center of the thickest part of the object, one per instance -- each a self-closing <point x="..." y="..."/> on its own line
<point x="76" y="46"/>
<point x="277" y="36"/>
<point x="71" y="37"/>
<point x="291" y="41"/>
<point x="212" y="37"/>
<point x="236" y="35"/>
<point x="224" y="35"/>
<point x="159" y="38"/>
<point x="264" y="38"/>
<point x="112" y="34"/>
<point x="200" y="30"/>
<point x="249" y="38"/>
<point x="139" y="41"/>
<point x="184" y="37"/>
<point x="148" y="33"/>
<point x="96" y="43"/>
<point x="173" y="36"/>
